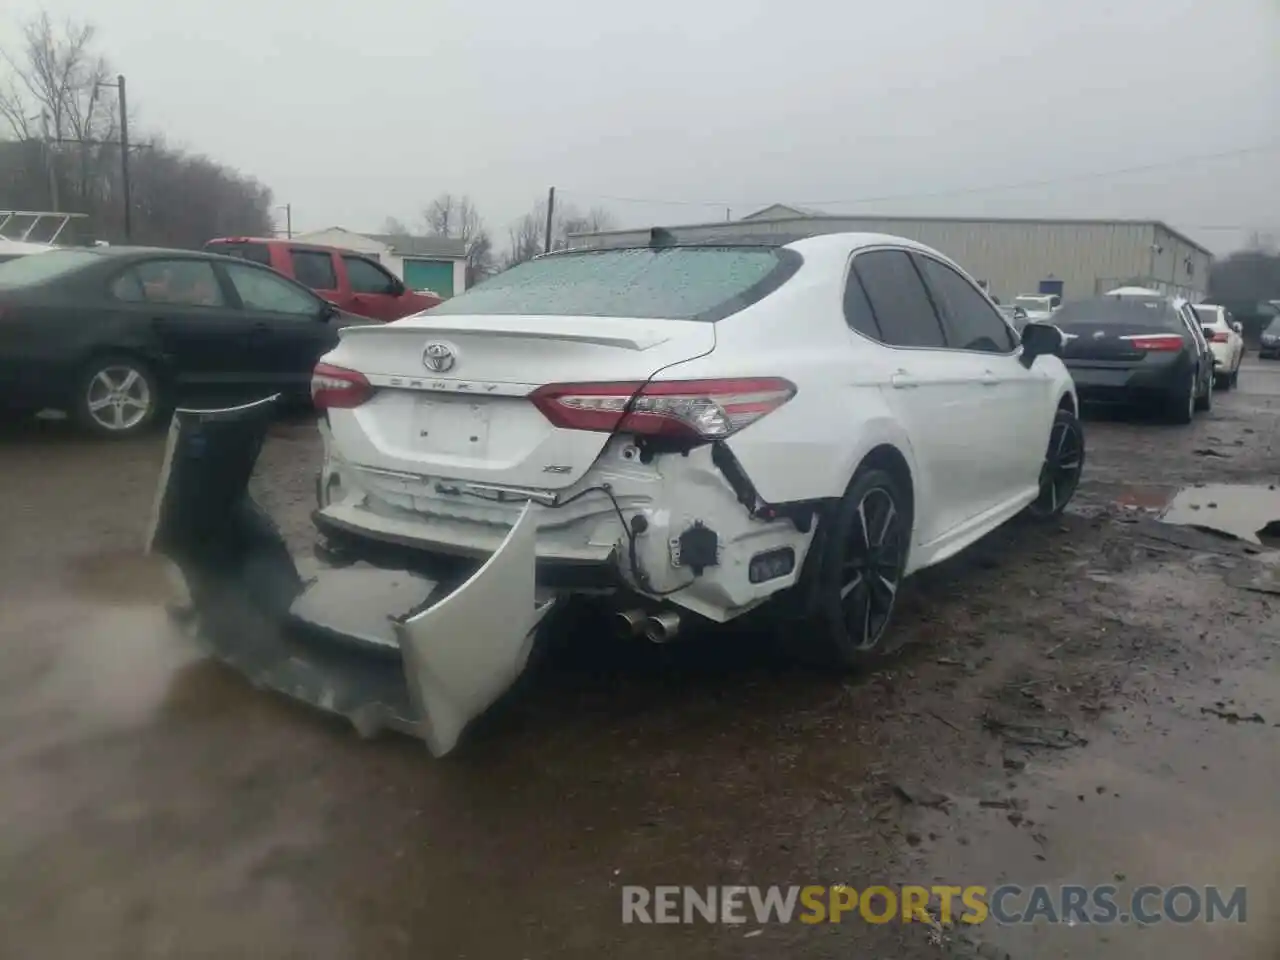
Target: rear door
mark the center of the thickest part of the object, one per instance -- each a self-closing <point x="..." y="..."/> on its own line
<point x="935" y="392"/>
<point x="453" y="389"/>
<point x="206" y="341"/>
<point x="374" y="291"/>
<point x="1017" y="402"/>
<point x="290" y="328"/>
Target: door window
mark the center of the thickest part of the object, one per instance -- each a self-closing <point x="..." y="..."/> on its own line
<point x="368" y="277"/>
<point x="972" y="322"/>
<point x="265" y="291"/>
<point x="901" y="306"/>
<point x="190" y="283"/>
<point x="314" y="269"/>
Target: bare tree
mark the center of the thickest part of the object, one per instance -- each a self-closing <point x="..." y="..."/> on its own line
<point x="527" y="237"/>
<point x="54" y="100"/>
<point x="571" y="222"/>
<point x="395" y="227"/>
<point x="449" y="215"/>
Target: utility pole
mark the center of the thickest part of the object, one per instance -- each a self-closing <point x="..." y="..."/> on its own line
<point x="551" y="212"/>
<point x="124" y="159"/>
<point x="288" y="221"/>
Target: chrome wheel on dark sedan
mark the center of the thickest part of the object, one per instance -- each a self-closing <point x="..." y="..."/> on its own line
<point x="119" y="397"/>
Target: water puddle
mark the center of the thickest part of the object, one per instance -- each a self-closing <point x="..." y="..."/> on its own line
<point x="1244" y="512"/>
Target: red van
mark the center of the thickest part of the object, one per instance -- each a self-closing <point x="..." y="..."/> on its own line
<point x="354" y="282"/>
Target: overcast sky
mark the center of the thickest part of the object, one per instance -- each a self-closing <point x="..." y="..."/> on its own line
<point x="353" y="112"/>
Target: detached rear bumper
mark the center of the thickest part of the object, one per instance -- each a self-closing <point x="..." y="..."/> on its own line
<point x="383" y="648"/>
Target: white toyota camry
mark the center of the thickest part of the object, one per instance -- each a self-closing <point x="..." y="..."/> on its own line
<point x="694" y="429"/>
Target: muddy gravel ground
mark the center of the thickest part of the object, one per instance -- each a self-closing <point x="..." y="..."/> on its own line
<point x="1092" y="702"/>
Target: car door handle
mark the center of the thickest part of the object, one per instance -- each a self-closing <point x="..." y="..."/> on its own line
<point x="988" y="379"/>
<point x="903" y="381"/>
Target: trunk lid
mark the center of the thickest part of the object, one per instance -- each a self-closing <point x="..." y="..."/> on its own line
<point x="451" y="393"/>
<point x="1101" y="341"/>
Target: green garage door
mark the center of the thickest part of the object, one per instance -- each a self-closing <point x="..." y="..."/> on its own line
<point x="434" y="275"/>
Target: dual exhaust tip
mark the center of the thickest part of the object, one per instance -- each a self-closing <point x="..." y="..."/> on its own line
<point x="660" y="627"/>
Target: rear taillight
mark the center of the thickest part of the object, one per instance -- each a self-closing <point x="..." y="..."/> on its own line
<point x="336" y="388"/>
<point x="1220" y="336"/>
<point x="688" y="409"/>
<point x="1155" y="342"/>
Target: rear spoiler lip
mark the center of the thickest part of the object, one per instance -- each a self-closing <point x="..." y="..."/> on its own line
<point x="634" y="342"/>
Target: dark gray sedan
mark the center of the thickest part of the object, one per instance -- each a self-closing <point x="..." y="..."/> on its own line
<point x="117" y="335"/>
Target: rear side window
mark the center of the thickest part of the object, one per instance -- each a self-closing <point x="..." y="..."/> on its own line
<point x="190" y="283"/>
<point x="898" y="299"/>
<point x="314" y="269"/>
<point x="675" y="283"/>
<point x="255" y="252"/>
<point x="1209" y="315"/>
<point x="972" y="322"/>
<point x="1130" y="311"/>
<point x="857" y="309"/>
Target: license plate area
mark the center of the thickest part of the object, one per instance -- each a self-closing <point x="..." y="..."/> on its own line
<point x="451" y="426"/>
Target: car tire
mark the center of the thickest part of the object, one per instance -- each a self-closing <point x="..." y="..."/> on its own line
<point x="1180" y="402"/>
<point x="859" y="573"/>
<point x="1204" y="402"/>
<point x="117" y="396"/>
<point x="1063" y="465"/>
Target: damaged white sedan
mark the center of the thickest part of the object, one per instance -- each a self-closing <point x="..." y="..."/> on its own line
<point x="691" y="430"/>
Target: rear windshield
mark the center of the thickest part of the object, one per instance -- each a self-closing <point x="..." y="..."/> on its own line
<point x="255" y="252"/>
<point x="676" y="283"/>
<point x="1131" y="311"/>
<point x="1208" y="315"/>
<point x="39" y="267"/>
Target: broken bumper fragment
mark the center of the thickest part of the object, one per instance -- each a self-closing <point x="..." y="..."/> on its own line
<point x="386" y="649"/>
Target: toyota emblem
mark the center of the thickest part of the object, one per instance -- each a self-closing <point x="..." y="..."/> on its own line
<point x="438" y="357"/>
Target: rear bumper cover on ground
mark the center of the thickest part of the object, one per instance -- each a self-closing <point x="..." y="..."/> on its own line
<point x="383" y="648"/>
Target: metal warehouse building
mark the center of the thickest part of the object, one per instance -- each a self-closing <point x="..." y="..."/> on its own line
<point x="1073" y="258"/>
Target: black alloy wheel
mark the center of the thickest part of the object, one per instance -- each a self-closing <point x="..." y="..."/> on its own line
<point x="864" y="556"/>
<point x="1062" y="467"/>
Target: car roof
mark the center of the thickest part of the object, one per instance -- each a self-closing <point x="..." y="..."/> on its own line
<point x="281" y="241"/>
<point x="803" y="243"/>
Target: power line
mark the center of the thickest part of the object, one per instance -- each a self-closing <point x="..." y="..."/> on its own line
<point x="992" y="188"/>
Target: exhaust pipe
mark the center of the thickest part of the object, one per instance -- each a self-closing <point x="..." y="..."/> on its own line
<point x="662" y="627"/>
<point x="630" y="622"/>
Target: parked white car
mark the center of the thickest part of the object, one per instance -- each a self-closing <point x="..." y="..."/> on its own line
<point x="1223" y="332"/>
<point x="1038" y="307"/>
<point x="696" y="429"/>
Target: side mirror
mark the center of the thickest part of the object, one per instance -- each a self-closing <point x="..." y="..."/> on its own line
<point x="397" y="287"/>
<point x="1039" y="340"/>
<point x="1208" y="332"/>
<point x="328" y="310"/>
<point x="1238" y="327"/>
<point x="1019" y="313"/>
